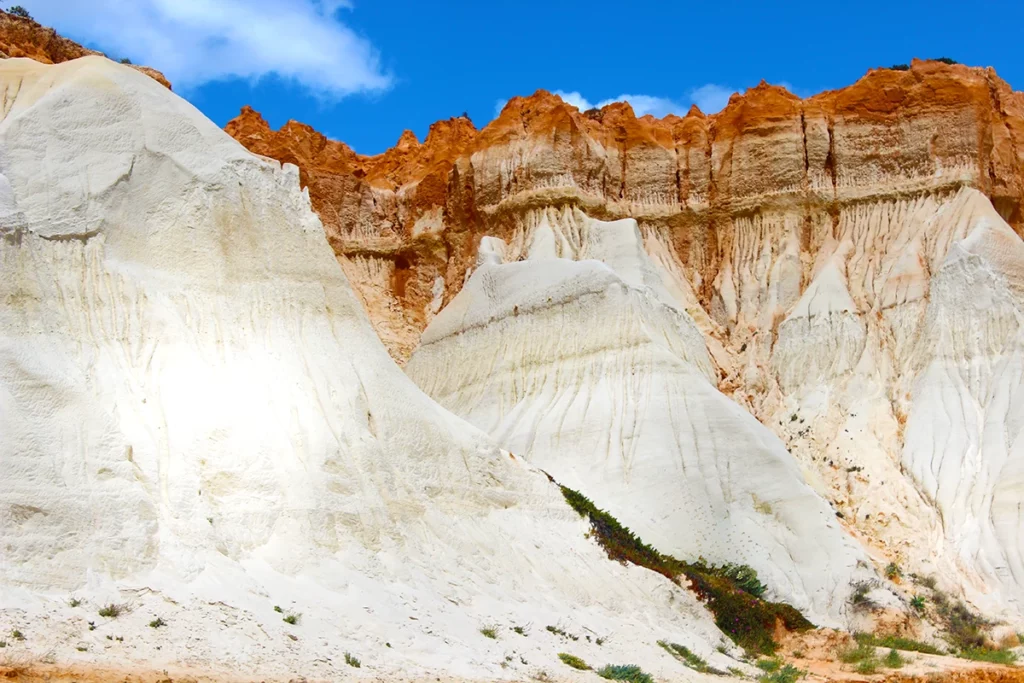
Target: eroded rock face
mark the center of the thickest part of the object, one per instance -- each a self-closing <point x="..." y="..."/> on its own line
<point x="852" y="261"/>
<point x="20" y="37"/>
<point x="197" y="418"/>
<point x="410" y="220"/>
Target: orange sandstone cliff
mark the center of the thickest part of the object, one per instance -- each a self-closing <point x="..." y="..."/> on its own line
<point x="21" y="37"/>
<point x="408" y="222"/>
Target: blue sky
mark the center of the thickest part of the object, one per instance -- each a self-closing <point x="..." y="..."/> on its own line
<point x="362" y="71"/>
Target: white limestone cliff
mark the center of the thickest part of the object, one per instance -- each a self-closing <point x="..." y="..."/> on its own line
<point x="197" y="421"/>
<point x="579" y="359"/>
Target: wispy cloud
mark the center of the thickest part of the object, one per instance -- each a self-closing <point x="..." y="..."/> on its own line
<point x="575" y="99"/>
<point x="711" y="98"/>
<point x="197" y="41"/>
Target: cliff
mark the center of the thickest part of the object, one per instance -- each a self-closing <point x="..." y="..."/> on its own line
<point x="409" y="221"/>
<point x="852" y="260"/>
<point x="22" y="37"/>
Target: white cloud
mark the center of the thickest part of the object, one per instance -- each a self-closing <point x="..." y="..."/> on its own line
<point x="200" y="41"/>
<point x="575" y="99"/>
<point x="648" y="104"/>
<point x="711" y="98"/>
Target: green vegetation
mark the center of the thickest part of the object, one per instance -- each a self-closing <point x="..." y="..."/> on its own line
<point x="894" y="660"/>
<point x="17" y="635"/>
<point x="125" y="60"/>
<point x="489" y="632"/>
<point x="685" y="655"/>
<point x="559" y="632"/>
<point x="113" y="611"/>
<point x="918" y="602"/>
<point x="278" y="609"/>
<point x="352" y="661"/>
<point x="900" y="67"/>
<point x="731" y="592"/>
<point x="74" y="602"/>
<point x="19" y="11"/>
<point x="625" y="672"/>
<point x="862" y="653"/>
<point x="965" y="630"/>
<point x="573" y="661"/>
<point x="291" y="619"/>
<point x="859" y="597"/>
<point x="985" y="654"/>
<point x="893" y="571"/>
<point x="157" y="623"/>
<point x="521" y="630"/>
<point x="897" y="643"/>
<point x="786" y="674"/>
<point x="926" y="581"/>
<point x="769" y="665"/>
<point x="946" y="60"/>
<point x="867" y="667"/>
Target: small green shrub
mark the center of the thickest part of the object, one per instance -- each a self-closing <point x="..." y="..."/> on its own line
<point x="926" y="581"/>
<point x="352" y="661"/>
<point x="965" y="630"/>
<point x="918" y="603"/>
<point x="985" y="654"/>
<point x="521" y="630"/>
<point x="893" y="571"/>
<point x="3" y="643"/>
<point x="894" y="660"/>
<point x="291" y="619"/>
<point x="573" y="661"/>
<point x="867" y="667"/>
<point x="861" y="653"/>
<point x="625" y="672"/>
<point x="559" y="632"/>
<point x="786" y="674"/>
<point x="731" y="592"/>
<point x="17" y="635"/>
<point x="74" y="602"/>
<point x="900" y="67"/>
<point x="859" y="597"/>
<point x="82" y="648"/>
<point x="125" y="60"/>
<point x="113" y="611"/>
<point x="685" y="655"/>
<point x="946" y="60"/>
<point x="769" y="665"/>
<point x="157" y="623"/>
<point x="277" y="608"/>
<point x="489" y="632"/>
<point x="19" y="11"/>
<point x="897" y="643"/>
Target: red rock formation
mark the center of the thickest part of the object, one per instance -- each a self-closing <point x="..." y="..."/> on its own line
<point x="20" y="37"/>
<point x="409" y="221"/>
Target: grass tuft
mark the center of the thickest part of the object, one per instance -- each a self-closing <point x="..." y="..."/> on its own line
<point x="894" y="660"/>
<point x="733" y="593"/>
<point x="573" y="661"/>
<point x="113" y="611"/>
<point x="897" y="643"/>
<point x="625" y="672"/>
<point x="985" y="654"/>
<point x="291" y="619"/>
<point x="489" y="632"/>
<point x="74" y="602"/>
<point x="157" y="623"/>
<point x="352" y="661"/>
<point x="685" y="655"/>
<point x="786" y="674"/>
